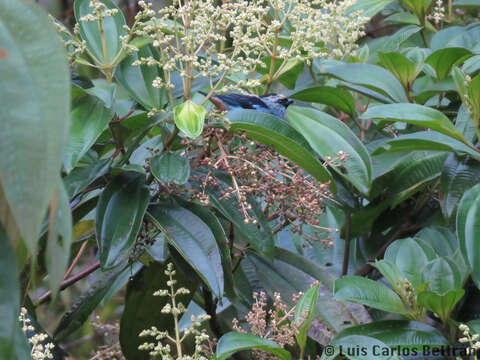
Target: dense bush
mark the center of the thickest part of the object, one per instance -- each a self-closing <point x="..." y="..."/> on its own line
<point x="330" y="211"/>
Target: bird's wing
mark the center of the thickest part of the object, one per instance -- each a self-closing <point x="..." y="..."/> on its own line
<point x="243" y="101"/>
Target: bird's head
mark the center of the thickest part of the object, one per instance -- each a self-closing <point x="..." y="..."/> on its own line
<point x="277" y="99"/>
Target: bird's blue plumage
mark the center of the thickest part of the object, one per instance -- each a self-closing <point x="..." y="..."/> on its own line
<point x="274" y="104"/>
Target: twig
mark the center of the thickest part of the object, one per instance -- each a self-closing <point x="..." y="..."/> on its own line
<point x="74" y="262"/>
<point x="346" y="252"/>
<point x="66" y="283"/>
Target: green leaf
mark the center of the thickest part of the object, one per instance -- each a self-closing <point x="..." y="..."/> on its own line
<point x="440" y="276"/>
<point x="426" y="140"/>
<point x="328" y="95"/>
<point x="233" y="342"/>
<point x="143" y="309"/>
<point x="35" y="103"/>
<point x="442" y="305"/>
<point x="417" y="115"/>
<point x="369" y="8"/>
<point x="441" y="239"/>
<point x="370" y="76"/>
<point x="170" y="167"/>
<point x="391" y="272"/>
<point x="119" y="216"/>
<point x="138" y="80"/>
<point x="304" y="314"/>
<point x="328" y="136"/>
<point x="9" y="297"/>
<point x="398" y="65"/>
<point x="468" y="230"/>
<point x="368" y="292"/>
<point x="268" y="130"/>
<point x="465" y="125"/>
<point x="444" y="59"/>
<point x="458" y="175"/>
<point x="409" y="258"/>
<point x="401" y="334"/>
<point x="411" y="177"/>
<point x="90" y="30"/>
<point x="89" y="119"/>
<point x="259" y="235"/>
<point x="222" y="243"/>
<point x="195" y="242"/>
<point x="88" y="301"/>
<point x="59" y="239"/>
<point x="80" y="177"/>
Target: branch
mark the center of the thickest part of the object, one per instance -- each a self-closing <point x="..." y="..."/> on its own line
<point x="70" y="281"/>
<point x="346" y="251"/>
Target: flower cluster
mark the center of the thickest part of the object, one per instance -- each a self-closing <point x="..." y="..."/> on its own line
<point x="40" y="351"/>
<point x="274" y="323"/>
<point x="198" y="38"/>
<point x="472" y="340"/>
<point x="292" y="196"/>
<point x="175" y="309"/>
<point x="438" y="13"/>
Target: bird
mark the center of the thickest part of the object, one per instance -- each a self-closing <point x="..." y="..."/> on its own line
<point x="275" y="104"/>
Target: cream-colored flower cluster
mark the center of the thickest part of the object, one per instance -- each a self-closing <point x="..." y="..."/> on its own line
<point x="438" y="13"/>
<point x="100" y="11"/>
<point x="226" y="43"/>
<point x="176" y="309"/>
<point x="39" y="350"/>
<point x="472" y="340"/>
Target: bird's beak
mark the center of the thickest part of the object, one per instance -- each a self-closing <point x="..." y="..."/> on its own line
<point x="289" y="102"/>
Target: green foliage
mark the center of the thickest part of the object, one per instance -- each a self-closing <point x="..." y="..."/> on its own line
<point x="363" y="198"/>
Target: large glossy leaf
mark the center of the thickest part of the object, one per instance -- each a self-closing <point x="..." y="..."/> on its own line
<point x="441" y="276"/>
<point x="391" y="272"/>
<point x="399" y="65"/>
<point x="370" y="76"/>
<point x="328" y="136"/>
<point x="368" y="292"/>
<point x="194" y="241"/>
<point x="259" y="235"/>
<point x="458" y="175"/>
<point x="444" y="59"/>
<point x="59" y="238"/>
<point x="442" y="305"/>
<point x="143" y="310"/>
<point x="81" y="177"/>
<point x="287" y="279"/>
<point x="138" y="80"/>
<point x="426" y="140"/>
<point x="170" y="167"/>
<point x="410" y="177"/>
<point x="468" y="230"/>
<point x="35" y="103"/>
<point x="222" y="243"/>
<point x="417" y="115"/>
<point x="441" y="239"/>
<point x="405" y="334"/>
<point x="234" y="342"/>
<point x="89" y="119"/>
<point x="328" y="95"/>
<point x="9" y="297"/>
<point x="83" y="306"/>
<point x="270" y="130"/>
<point x="90" y="30"/>
<point x="119" y="215"/>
